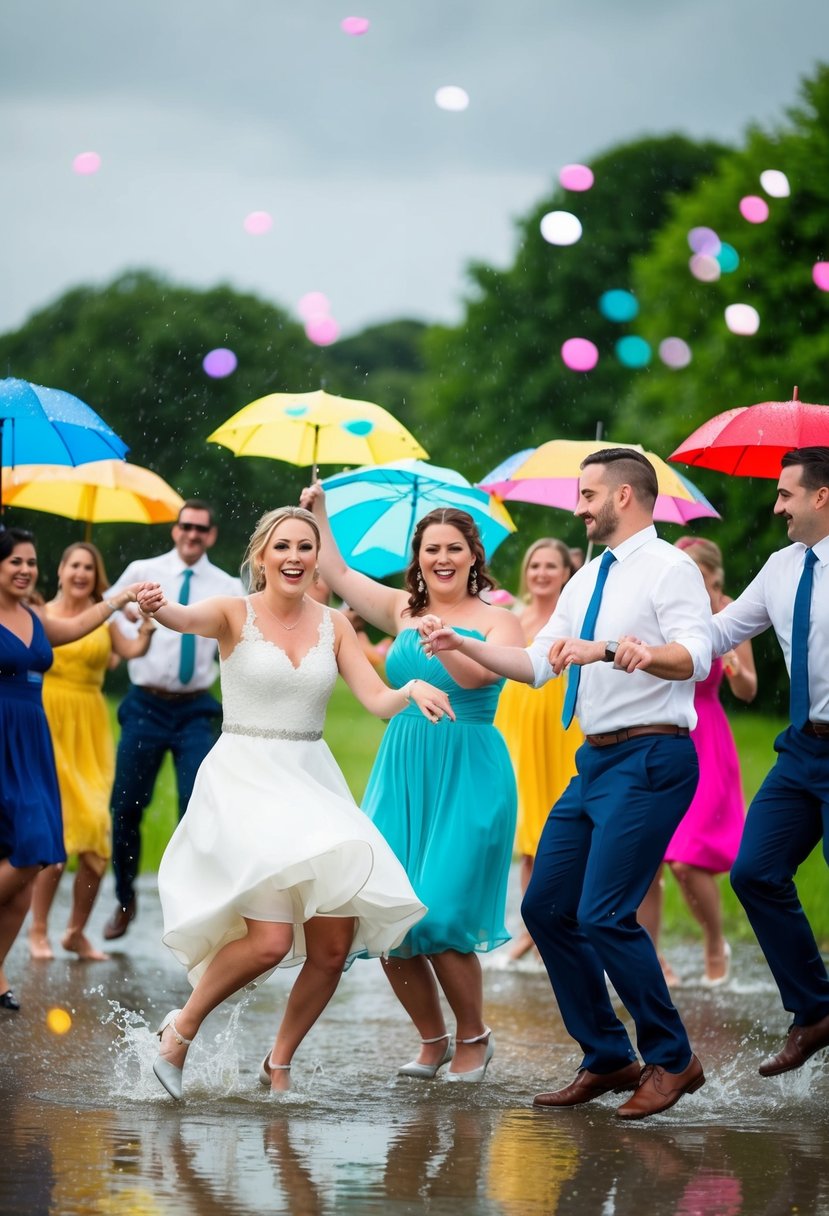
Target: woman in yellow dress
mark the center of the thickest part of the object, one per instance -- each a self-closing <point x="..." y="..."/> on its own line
<point x="542" y="751"/>
<point x="84" y="753"/>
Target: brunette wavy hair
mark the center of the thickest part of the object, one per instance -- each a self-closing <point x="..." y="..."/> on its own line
<point x="101" y="580"/>
<point x="465" y="524"/>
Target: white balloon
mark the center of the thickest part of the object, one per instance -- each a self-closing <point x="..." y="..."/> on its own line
<point x="452" y="97"/>
<point x="742" y="319"/>
<point x="560" y="228"/>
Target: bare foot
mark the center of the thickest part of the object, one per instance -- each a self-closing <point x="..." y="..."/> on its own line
<point x="78" y="943"/>
<point x="39" y="947"/>
<point x="522" y="945"/>
<point x="671" y="977"/>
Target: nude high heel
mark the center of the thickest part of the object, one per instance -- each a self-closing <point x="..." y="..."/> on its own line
<point x="427" y="1072"/>
<point x="267" y="1068"/>
<point x="476" y="1074"/>
<point x="167" y="1073"/>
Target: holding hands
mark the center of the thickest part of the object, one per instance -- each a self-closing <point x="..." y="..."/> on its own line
<point x="435" y="636"/>
<point x="150" y="597"/>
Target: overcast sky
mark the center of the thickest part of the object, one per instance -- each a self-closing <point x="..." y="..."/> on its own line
<point x="206" y="110"/>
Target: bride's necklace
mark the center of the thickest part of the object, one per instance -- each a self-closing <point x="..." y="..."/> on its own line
<point x="270" y="612"/>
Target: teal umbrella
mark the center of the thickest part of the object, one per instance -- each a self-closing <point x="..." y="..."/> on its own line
<point x="374" y="510"/>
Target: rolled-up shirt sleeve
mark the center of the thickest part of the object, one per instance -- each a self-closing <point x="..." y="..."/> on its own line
<point x="560" y="625"/>
<point x="743" y="618"/>
<point x="683" y="610"/>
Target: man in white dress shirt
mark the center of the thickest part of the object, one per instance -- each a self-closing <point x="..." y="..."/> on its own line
<point x="633" y="691"/>
<point x="169" y="706"/>
<point x="790" y="812"/>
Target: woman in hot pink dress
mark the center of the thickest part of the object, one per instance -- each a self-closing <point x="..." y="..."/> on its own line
<point x="706" y="842"/>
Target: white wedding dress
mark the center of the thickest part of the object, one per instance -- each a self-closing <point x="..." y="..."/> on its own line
<point x="272" y="832"/>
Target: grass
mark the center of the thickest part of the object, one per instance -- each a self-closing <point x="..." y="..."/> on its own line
<point x="354" y="736"/>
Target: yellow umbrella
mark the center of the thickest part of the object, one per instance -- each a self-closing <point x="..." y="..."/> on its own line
<point x="101" y="491"/>
<point x="317" y="428"/>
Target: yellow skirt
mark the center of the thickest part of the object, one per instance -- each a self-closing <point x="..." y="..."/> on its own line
<point x="542" y="753"/>
<point x="85" y="760"/>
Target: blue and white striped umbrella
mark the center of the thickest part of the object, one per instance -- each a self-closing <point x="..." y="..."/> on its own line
<point x="374" y="510"/>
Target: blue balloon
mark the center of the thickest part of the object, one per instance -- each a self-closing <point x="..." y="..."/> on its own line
<point x="633" y="351"/>
<point x="619" y="305"/>
<point x="728" y="258"/>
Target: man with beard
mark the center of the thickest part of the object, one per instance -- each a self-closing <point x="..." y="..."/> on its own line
<point x="633" y="691"/>
<point x="788" y="815"/>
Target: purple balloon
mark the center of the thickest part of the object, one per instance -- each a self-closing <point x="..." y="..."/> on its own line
<point x="704" y="240"/>
<point x="219" y="363"/>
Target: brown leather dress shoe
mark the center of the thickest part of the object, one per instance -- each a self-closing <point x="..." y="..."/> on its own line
<point x="658" y="1090"/>
<point x="589" y="1085"/>
<point x="803" y="1041"/>
<point x="118" y="923"/>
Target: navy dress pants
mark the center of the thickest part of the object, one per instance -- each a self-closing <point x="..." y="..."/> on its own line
<point x="787" y="818"/>
<point x="150" y="727"/>
<point x="598" y="854"/>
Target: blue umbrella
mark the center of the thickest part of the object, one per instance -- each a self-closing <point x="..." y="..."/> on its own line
<point x="374" y="510"/>
<point x="48" y="426"/>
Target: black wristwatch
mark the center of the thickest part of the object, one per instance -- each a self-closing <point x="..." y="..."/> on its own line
<point x="610" y="649"/>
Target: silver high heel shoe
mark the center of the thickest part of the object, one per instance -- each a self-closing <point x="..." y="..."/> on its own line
<point x="267" y="1068"/>
<point x="476" y="1074"/>
<point x="427" y="1072"/>
<point x="167" y="1073"/>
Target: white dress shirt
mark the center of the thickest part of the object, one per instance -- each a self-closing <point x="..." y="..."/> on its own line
<point x="159" y="667"/>
<point x="653" y="592"/>
<point x="769" y="600"/>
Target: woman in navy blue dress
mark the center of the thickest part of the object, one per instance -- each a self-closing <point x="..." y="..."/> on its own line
<point x="31" y="830"/>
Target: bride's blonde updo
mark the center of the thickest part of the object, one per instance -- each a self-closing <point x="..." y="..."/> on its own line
<point x="252" y="571"/>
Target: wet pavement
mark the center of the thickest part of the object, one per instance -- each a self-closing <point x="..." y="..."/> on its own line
<point x="87" y="1129"/>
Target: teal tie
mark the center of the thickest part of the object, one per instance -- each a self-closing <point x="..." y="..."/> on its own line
<point x="187" y="658"/>
<point x="588" y="629"/>
<point x="799" y="663"/>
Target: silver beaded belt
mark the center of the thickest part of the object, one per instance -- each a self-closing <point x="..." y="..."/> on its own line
<point x="267" y="732"/>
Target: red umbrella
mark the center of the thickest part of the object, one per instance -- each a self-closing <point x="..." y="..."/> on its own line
<point x="751" y="440"/>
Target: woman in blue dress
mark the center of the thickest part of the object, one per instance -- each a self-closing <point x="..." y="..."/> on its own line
<point x="442" y="794"/>
<point x="31" y="830"/>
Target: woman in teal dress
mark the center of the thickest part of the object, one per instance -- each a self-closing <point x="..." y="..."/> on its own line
<point x="442" y="793"/>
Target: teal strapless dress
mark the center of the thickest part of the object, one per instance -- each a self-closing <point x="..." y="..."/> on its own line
<point x="443" y="795"/>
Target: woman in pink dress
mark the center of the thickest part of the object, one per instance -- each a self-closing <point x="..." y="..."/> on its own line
<point x="706" y="842"/>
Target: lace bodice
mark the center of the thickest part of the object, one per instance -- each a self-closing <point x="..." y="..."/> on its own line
<point x="264" y="694"/>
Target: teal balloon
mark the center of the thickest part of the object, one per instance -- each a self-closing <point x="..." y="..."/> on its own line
<point x="728" y="258"/>
<point x="619" y="305"/>
<point x="633" y="351"/>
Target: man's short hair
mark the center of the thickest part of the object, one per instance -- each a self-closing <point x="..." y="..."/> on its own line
<point x="815" y="465"/>
<point x="197" y="504"/>
<point x="626" y="466"/>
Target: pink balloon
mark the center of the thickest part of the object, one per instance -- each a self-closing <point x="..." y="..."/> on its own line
<point x="355" y="26"/>
<point x="258" y="223"/>
<point x="576" y="177"/>
<point x="322" y="331"/>
<point x="820" y="275"/>
<point x="86" y="163"/>
<point x="313" y="304"/>
<point x="579" y="354"/>
<point x="674" y="352"/>
<point x="704" y="267"/>
<point x="754" y="209"/>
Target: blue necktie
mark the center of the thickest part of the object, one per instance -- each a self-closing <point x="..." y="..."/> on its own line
<point x="187" y="658"/>
<point x="587" y="630"/>
<point x="799" y="665"/>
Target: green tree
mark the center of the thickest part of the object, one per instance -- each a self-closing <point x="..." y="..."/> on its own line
<point x="497" y="383"/>
<point x="790" y="348"/>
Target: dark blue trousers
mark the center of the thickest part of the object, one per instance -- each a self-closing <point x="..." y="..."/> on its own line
<point x="151" y="727"/>
<point x="598" y="854"/>
<point x="787" y="818"/>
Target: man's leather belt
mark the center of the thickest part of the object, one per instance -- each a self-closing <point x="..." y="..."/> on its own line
<point x="165" y="695"/>
<point x="818" y="730"/>
<point x="635" y="732"/>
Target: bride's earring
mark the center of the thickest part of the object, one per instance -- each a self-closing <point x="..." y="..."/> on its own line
<point x="473" y="581"/>
<point x="419" y="583"/>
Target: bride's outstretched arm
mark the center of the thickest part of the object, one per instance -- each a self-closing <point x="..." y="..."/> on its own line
<point x="208" y="618"/>
<point x="369" y="689"/>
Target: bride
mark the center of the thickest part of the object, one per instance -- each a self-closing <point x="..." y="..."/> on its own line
<point x="274" y="864"/>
